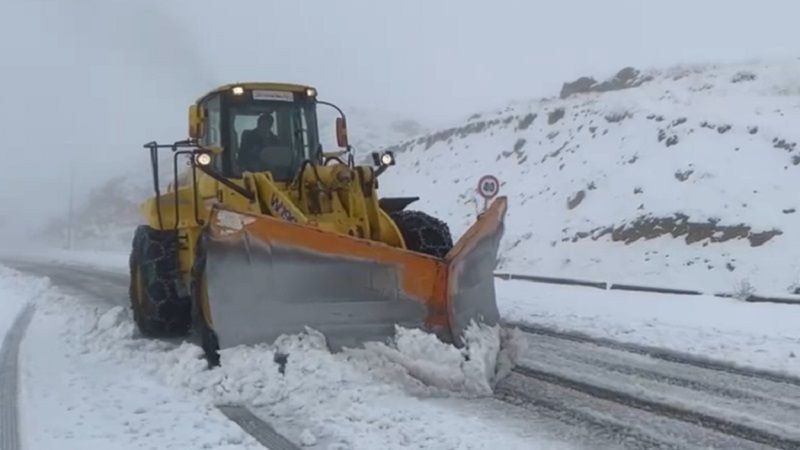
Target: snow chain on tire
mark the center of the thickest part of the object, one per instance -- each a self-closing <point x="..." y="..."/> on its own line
<point x="423" y="233"/>
<point x="160" y="308"/>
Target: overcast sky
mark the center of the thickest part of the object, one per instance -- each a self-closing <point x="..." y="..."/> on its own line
<point x="88" y="81"/>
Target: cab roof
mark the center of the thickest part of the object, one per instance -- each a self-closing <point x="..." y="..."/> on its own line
<point x="286" y="87"/>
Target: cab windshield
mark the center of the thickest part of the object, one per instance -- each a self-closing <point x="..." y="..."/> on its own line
<point x="273" y="137"/>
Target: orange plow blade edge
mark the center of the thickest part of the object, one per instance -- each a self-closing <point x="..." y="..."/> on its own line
<point x="267" y="277"/>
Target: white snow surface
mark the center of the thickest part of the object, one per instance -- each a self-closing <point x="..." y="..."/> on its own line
<point x="73" y="398"/>
<point x="713" y="143"/>
<point x="89" y="381"/>
<point x="16" y="291"/>
<point x="759" y="335"/>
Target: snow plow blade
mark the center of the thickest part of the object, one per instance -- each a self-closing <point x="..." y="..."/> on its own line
<point x="267" y="277"/>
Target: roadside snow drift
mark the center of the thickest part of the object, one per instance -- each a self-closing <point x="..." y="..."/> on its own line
<point x="16" y="291"/>
<point x="685" y="177"/>
<point x="90" y="380"/>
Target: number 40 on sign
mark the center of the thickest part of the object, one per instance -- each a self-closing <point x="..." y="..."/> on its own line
<point x="488" y="188"/>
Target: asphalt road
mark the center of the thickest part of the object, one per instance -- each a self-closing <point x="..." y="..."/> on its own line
<point x="598" y="393"/>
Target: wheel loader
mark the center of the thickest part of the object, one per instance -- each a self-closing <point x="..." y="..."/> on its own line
<point x="263" y="233"/>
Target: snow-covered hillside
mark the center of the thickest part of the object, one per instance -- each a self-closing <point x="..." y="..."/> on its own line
<point x="685" y="177"/>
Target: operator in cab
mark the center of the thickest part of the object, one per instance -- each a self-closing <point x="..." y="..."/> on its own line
<point x="252" y="150"/>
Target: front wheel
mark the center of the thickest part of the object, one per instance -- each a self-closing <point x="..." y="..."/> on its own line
<point x="159" y="309"/>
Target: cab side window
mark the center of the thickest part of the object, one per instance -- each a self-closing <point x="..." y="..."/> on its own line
<point x="213" y="125"/>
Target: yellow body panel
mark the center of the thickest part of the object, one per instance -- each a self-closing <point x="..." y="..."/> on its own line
<point x="342" y="200"/>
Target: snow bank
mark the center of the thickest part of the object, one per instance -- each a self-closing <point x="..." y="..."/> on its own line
<point x="16" y="290"/>
<point x="758" y="335"/>
<point x="72" y="397"/>
<point x="373" y="397"/>
<point x="488" y="355"/>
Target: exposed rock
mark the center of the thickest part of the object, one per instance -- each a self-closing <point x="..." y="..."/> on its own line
<point x="649" y="227"/>
<point x="555" y="115"/>
<point x="576" y="199"/>
<point x="616" y="117"/>
<point x="526" y="121"/>
<point x="743" y="76"/>
<point x="784" y="144"/>
<point x="683" y="175"/>
<point x="624" y="79"/>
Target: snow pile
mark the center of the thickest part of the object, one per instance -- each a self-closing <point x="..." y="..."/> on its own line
<point x="488" y="355"/>
<point x="373" y="397"/>
<point x="684" y="177"/>
<point x="71" y="397"/>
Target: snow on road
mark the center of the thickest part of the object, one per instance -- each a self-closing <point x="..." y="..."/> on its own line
<point x="89" y="381"/>
<point x="70" y="398"/>
<point x="16" y="291"/>
<point x="106" y="260"/>
<point x="759" y="335"/>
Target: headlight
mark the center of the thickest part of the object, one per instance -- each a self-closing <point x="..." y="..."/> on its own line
<point x="311" y="92"/>
<point x="383" y="159"/>
<point x="237" y="90"/>
<point x="203" y="159"/>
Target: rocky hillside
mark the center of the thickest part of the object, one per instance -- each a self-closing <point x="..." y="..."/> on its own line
<point x="681" y="177"/>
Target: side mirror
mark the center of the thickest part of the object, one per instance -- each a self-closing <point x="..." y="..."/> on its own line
<point x="341" y="133"/>
<point x="196" y="121"/>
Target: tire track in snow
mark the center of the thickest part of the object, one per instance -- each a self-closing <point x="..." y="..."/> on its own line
<point x="716" y="423"/>
<point x="635" y="397"/>
<point x="254" y="426"/>
<point x="658" y="353"/>
<point x="9" y="380"/>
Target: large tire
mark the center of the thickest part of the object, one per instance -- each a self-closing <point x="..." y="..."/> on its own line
<point x="160" y="306"/>
<point x="423" y="233"/>
<point x="200" y="324"/>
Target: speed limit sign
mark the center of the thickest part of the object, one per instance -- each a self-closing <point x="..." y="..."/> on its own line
<point x="488" y="186"/>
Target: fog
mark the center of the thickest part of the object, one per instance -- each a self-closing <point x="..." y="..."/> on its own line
<point x="87" y="82"/>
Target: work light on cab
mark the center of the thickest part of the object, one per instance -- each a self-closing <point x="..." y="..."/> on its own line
<point x="203" y="159"/>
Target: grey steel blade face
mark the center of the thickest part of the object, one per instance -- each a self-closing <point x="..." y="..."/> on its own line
<point x="258" y="291"/>
<point x="472" y="292"/>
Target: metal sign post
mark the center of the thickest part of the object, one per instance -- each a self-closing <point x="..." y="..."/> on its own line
<point x="488" y="188"/>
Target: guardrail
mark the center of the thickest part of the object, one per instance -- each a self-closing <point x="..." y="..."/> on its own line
<point x="753" y="298"/>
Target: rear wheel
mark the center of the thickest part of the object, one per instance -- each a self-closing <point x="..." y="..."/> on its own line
<point x="423" y="233"/>
<point x="159" y="308"/>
